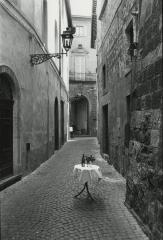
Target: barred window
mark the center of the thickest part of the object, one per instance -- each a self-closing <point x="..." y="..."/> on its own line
<point x="80" y="31"/>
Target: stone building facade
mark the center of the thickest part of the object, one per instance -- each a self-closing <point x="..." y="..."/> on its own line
<point x="130" y="90"/>
<point x="82" y="83"/>
<point x="33" y="98"/>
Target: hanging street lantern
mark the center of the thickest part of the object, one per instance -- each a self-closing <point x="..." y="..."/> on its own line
<point x="67" y="38"/>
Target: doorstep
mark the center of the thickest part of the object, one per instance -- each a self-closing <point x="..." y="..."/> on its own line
<point x="143" y="226"/>
<point x="9" y="181"/>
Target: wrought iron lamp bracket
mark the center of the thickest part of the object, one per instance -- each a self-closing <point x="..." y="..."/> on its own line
<point x="40" y="58"/>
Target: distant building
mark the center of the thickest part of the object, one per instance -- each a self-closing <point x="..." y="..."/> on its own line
<point x="83" y="97"/>
<point x="33" y="98"/>
<point x="130" y="103"/>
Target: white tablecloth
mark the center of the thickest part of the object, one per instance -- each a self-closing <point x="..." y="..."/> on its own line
<point x="89" y="173"/>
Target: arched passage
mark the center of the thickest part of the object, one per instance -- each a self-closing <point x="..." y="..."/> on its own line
<point x="56" y="125"/>
<point x="10" y="85"/>
<point x="10" y="100"/>
<point x="6" y="126"/>
<point x="79" y="115"/>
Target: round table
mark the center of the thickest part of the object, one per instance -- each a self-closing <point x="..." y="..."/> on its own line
<point x="87" y="174"/>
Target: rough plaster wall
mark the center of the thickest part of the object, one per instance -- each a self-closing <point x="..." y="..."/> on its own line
<point x="27" y="7"/>
<point x="38" y="10"/>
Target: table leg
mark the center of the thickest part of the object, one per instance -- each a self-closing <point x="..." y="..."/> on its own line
<point x="85" y="186"/>
<point x="80" y="191"/>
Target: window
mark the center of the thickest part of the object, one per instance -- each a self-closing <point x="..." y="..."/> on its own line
<point x="80" y="68"/>
<point x="80" y="31"/>
<point x="131" y="36"/>
<point x="130" y="32"/>
<point x="127" y="125"/>
<point x="104" y="76"/>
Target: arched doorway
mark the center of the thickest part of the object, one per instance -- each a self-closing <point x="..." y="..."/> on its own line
<point x="6" y="126"/>
<point x="62" y="122"/>
<point x="79" y="115"/>
<point x="56" y="125"/>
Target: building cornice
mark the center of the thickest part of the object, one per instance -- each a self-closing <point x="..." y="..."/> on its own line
<point x="22" y="20"/>
<point x="83" y="82"/>
<point x="82" y="17"/>
<point x="19" y="17"/>
<point x="103" y="9"/>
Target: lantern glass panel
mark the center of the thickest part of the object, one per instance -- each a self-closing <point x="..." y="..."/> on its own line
<point x="67" y="40"/>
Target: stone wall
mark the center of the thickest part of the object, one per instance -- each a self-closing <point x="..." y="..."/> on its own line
<point x="133" y="93"/>
<point x="113" y="53"/>
<point x="145" y="175"/>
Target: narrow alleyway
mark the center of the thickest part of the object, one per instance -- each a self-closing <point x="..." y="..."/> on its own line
<point x="41" y="206"/>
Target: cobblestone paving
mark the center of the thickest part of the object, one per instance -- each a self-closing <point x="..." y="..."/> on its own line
<point x="42" y="207"/>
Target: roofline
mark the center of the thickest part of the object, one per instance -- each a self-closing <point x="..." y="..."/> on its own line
<point x="103" y="9"/>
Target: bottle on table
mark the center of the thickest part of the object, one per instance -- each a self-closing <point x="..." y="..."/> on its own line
<point x="83" y="161"/>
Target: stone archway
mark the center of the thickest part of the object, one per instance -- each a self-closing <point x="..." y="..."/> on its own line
<point x="56" y="125"/>
<point x="9" y="123"/>
<point x="79" y="115"/>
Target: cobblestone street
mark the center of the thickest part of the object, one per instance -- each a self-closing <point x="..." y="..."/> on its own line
<point x="41" y="206"/>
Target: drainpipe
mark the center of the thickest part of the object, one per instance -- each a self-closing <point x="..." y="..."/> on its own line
<point x="59" y="36"/>
<point x="60" y="73"/>
<point x="70" y="26"/>
<point x="48" y="109"/>
<point x="69" y="16"/>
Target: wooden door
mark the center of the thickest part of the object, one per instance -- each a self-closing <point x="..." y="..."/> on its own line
<point x="6" y="138"/>
<point x="56" y="122"/>
<point x="6" y="127"/>
<point x="105" y="130"/>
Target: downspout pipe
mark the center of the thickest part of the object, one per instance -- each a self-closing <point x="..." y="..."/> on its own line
<point x="69" y="16"/>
